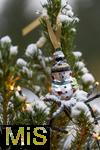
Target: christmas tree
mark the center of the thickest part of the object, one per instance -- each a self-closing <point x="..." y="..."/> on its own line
<point x="50" y="84"/>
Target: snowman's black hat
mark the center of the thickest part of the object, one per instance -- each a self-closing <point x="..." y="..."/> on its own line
<point x="60" y="63"/>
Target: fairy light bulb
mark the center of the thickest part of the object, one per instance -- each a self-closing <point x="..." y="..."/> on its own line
<point x="97" y="83"/>
<point x="96" y="136"/>
<point x="28" y="106"/>
<point x="18" y="88"/>
<point x="11" y="87"/>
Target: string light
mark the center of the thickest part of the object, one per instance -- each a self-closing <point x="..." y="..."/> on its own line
<point x="18" y="88"/>
<point x="96" y="136"/>
<point x="11" y="87"/>
<point x="97" y="83"/>
<point x="28" y="105"/>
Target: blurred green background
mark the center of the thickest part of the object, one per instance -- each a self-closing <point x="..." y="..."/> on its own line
<point x="16" y="14"/>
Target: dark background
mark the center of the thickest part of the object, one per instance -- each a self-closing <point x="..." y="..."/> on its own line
<point x="14" y="18"/>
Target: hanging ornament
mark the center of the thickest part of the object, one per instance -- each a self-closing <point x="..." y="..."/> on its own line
<point x="63" y="84"/>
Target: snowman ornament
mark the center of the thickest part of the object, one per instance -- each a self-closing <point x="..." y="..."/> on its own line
<point x="66" y="93"/>
<point x="63" y="84"/>
<point x="66" y="89"/>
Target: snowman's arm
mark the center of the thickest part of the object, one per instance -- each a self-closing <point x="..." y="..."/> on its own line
<point x="58" y="111"/>
<point x="56" y="114"/>
<point x="51" y="98"/>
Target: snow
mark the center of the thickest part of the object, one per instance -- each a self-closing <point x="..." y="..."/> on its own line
<point x="71" y="136"/>
<point x="21" y="62"/>
<point x="70" y="13"/>
<point x="5" y="39"/>
<point x="37" y="88"/>
<point x="42" y="62"/>
<point x="39" y="52"/>
<point x="77" y="54"/>
<point x="44" y="12"/>
<point x="67" y="16"/>
<point x="34" y="100"/>
<point x="30" y="73"/>
<point x="27" y="71"/>
<point x="63" y="3"/>
<point x="78" y="108"/>
<point x="13" y="50"/>
<point x="88" y="78"/>
<point x="64" y="18"/>
<point x="84" y="70"/>
<point x="73" y="29"/>
<point x="37" y="4"/>
<point x="76" y="19"/>
<point x="31" y="50"/>
<point x="68" y="7"/>
<point x="48" y="59"/>
<point x="79" y="65"/>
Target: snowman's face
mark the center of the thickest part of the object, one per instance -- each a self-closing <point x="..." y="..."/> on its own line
<point x="65" y="75"/>
<point x="60" y="76"/>
<point x="56" y="76"/>
<point x="64" y="91"/>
